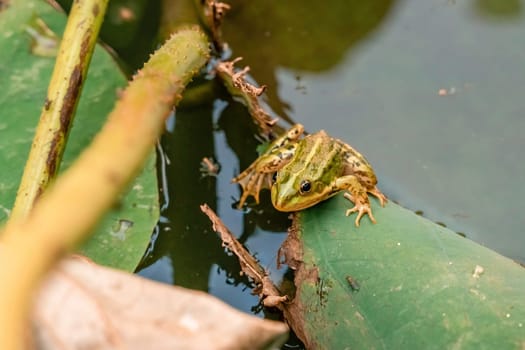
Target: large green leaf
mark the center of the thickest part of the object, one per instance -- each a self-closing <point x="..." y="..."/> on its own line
<point x="415" y="284"/>
<point x="124" y="234"/>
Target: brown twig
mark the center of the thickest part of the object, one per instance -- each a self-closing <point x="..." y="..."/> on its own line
<point x="292" y="311"/>
<point x="265" y="289"/>
<point x="213" y="12"/>
<point x="237" y="85"/>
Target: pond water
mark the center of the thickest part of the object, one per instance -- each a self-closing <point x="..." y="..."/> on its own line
<point x="430" y="91"/>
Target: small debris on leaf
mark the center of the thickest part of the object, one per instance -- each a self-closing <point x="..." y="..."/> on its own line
<point x="119" y="231"/>
<point x="44" y="42"/>
<point x="478" y="271"/>
<point x="352" y="282"/>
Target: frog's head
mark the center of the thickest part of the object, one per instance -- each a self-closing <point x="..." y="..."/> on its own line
<point x="291" y="193"/>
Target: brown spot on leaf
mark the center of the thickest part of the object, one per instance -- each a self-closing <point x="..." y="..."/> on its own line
<point x="295" y="311"/>
<point x="291" y="251"/>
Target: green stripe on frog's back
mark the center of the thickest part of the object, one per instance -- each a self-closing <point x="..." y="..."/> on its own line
<point x="317" y="158"/>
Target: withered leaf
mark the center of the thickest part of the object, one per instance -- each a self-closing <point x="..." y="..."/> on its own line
<point x="85" y="306"/>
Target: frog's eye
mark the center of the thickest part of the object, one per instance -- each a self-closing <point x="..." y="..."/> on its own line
<point x="305" y="186"/>
<point x="274" y="177"/>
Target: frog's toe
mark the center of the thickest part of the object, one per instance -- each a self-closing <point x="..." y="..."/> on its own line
<point x="379" y="195"/>
<point x="361" y="210"/>
<point x="243" y="198"/>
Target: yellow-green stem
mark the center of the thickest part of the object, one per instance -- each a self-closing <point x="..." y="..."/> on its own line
<point x="68" y="211"/>
<point x="74" y="55"/>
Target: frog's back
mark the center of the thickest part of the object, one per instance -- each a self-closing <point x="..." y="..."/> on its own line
<point x="319" y="157"/>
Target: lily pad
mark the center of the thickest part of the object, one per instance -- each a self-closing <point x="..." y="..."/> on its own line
<point x="122" y="237"/>
<point x="403" y="283"/>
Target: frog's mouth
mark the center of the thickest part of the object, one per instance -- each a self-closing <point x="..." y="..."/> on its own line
<point x="294" y="201"/>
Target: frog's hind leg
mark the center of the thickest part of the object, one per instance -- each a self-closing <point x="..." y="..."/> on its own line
<point x="293" y="134"/>
<point x="358" y="195"/>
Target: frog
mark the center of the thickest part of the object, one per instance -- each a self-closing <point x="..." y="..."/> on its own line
<point x="302" y="171"/>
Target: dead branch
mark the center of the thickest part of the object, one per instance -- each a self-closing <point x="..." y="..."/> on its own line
<point x="237" y="85"/>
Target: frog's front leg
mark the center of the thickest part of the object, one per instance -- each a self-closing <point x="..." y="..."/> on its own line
<point x="252" y="185"/>
<point x="358" y="195"/>
<point x="259" y="174"/>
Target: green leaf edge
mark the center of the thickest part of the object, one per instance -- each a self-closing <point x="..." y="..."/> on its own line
<point x="417" y="287"/>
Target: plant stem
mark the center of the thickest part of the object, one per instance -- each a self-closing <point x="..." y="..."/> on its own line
<point x="70" y="209"/>
<point x="69" y="74"/>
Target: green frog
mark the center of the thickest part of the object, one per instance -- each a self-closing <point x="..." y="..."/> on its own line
<point x="304" y="172"/>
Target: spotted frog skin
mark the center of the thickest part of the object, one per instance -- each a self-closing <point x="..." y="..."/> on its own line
<point x="304" y="172"/>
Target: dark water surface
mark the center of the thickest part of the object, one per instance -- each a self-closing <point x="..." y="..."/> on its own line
<point x="430" y="91"/>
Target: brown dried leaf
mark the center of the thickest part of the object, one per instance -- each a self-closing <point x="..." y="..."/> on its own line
<point x="86" y="306"/>
<point x="214" y="12"/>
<point x="237" y="85"/>
<point x="267" y="291"/>
<point x="265" y="288"/>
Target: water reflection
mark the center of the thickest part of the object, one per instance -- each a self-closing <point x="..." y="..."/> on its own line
<point x="392" y="86"/>
<point x="313" y="36"/>
<point x="130" y="28"/>
<point x="184" y="250"/>
<point x="504" y="9"/>
<point x="184" y="234"/>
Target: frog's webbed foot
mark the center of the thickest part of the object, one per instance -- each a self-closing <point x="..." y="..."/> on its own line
<point x="357" y="194"/>
<point x="379" y="195"/>
<point x="361" y="207"/>
<point x="252" y="182"/>
<point x="259" y="174"/>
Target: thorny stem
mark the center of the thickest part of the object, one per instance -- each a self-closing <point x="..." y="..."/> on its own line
<point x="70" y="209"/>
